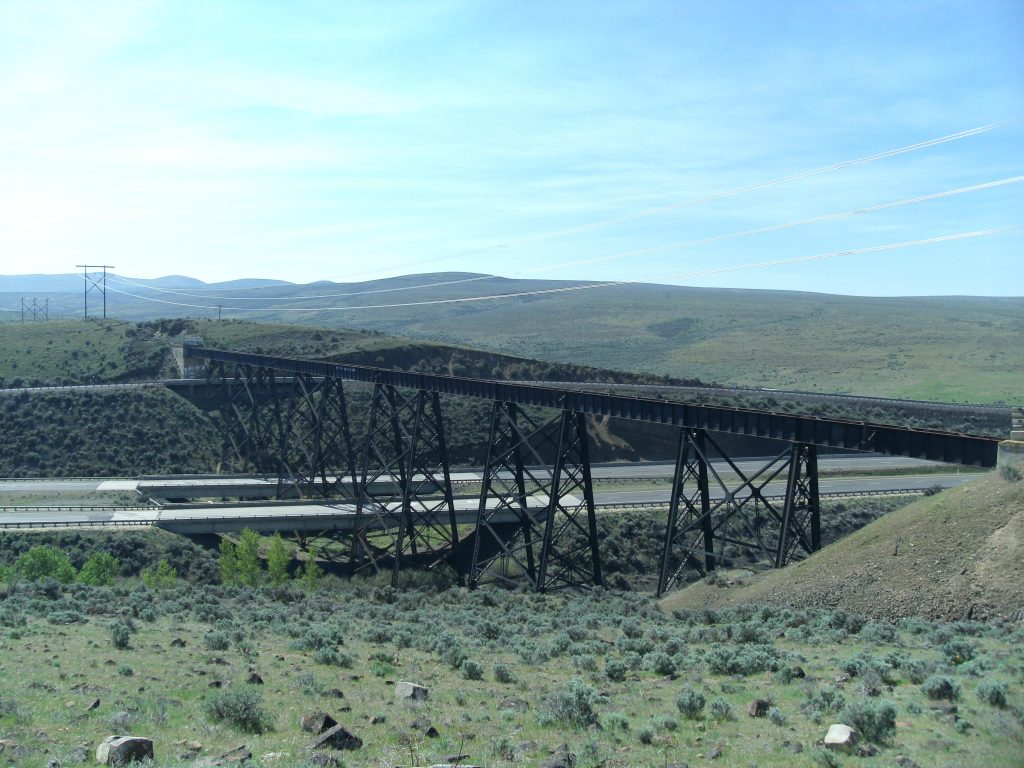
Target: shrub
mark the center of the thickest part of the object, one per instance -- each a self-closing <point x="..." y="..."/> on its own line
<point x="503" y="673"/>
<point x="615" y="670"/>
<point x="661" y="663"/>
<point x="941" y="687"/>
<point x="125" y="671"/>
<point x="993" y="692"/>
<point x="216" y="641"/>
<point x="744" y="660"/>
<point x="876" y="720"/>
<point x="100" y="570"/>
<point x="332" y="657"/>
<point x="645" y="734"/>
<point x="1011" y="473"/>
<point x="44" y="562"/>
<point x="691" y="703"/>
<point x="721" y="710"/>
<point x="241" y="708"/>
<point x="120" y="635"/>
<point x="574" y="705"/>
<point x="917" y="670"/>
<point x="776" y="717"/>
<point x="958" y="651"/>
<point x="471" y="670"/>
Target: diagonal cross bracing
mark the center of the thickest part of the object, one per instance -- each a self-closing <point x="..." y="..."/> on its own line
<point x="405" y="504"/>
<point x="554" y="542"/>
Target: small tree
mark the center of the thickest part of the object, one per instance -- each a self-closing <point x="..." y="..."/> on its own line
<point x="228" y="562"/>
<point x="247" y="558"/>
<point x="43" y="562"/>
<point x="100" y="570"/>
<point x="312" y="573"/>
<point x="278" y="557"/>
<point x="160" y="576"/>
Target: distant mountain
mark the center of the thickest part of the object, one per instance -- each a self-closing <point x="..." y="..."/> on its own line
<point x="65" y="283"/>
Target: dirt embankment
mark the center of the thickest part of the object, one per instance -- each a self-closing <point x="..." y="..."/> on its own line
<point x="949" y="556"/>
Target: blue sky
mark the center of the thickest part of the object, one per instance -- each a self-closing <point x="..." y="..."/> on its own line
<point x="350" y="141"/>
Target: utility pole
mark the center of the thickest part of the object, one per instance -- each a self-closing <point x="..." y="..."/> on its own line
<point x="91" y="282"/>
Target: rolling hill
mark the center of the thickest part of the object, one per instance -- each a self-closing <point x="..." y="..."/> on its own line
<point x="934" y="348"/>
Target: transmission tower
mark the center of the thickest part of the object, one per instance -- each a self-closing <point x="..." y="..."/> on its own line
<point x="94" y="283"/>
<point x="39" y="308"/>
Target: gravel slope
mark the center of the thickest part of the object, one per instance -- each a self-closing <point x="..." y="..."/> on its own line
<point x="959" y="554"/>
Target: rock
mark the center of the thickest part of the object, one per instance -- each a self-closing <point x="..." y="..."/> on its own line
<point x="715" y="753"/>
<point x="177" y="643"/>
<point x="326" y="760"/>
<point x="841" y="737"/>
<point x="798" y="673"/>
<point x="254" y="679"/>
<point x="793" y="746"/>
<point x="215" y="684"/>
<point x="423" y="724"/>
<point x="902" y="761"/>
<point x="79" y="754"/>
<point x="456" y="758"/>
<point x="378" y="720"/>
<point x="410" y="692"/>
<point x="453" y="765"/>
<point x="337" y="693"/>
<point x="866" y="750"/>
<point x="336" y="738"/>
<point x="236" y="756"/>
<point x="121" y="750"/>
<point x="560" y="759"/>
<point x="513" y="703"/>
<point x="318" y="722"/>
<point x="525" y="748"/>
<point x="94" y="704"/>
<point x="758" y="708"/>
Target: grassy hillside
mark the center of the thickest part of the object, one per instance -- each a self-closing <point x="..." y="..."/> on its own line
<point x="942" y="348"/>
<point x="951" y="555"/>
<point x="604" y="679"/>
<point x="104" y="433"/>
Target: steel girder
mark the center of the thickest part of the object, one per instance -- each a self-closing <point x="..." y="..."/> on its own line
<point x="554" y="543"/>
<point x="701" y="534"/>
<point x="405" y="484"/>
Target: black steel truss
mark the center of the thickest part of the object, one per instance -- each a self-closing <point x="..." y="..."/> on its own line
<point x="552" y="542"/>
<point x="315" y="442"/>
<point x="296" y="428"/>
<point x="702" y="534"/>
<point x="838" y="433"/>
<point x="405" y="507"/>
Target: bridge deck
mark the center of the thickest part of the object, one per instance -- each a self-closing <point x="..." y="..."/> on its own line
<point x="830" y="432"/>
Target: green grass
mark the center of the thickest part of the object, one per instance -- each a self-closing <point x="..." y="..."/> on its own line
<point x="55" y="670"/>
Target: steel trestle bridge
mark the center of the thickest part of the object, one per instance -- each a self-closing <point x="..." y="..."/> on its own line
<point x="535" y="516"/>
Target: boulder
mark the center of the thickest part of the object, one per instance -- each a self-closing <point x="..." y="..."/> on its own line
<point x="237" y="756"/>
<point x="560" y="759"/>
<point x="336" y="738"/>
<point x="121" y="750"/>
<point x="410" y="691"/>
<point x="840" y="737"/>
<point x="254" y="678"/>
<point x="758" y="708"/>
<point x="318" y="722"/>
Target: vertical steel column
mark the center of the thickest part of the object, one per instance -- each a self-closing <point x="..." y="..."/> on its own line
<point x="572" y="463"/>
<point x="691" y="464"/>
<point x="802" y="507"/>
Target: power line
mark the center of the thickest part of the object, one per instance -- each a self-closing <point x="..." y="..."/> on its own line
<point x="615" y="256"/>
<point x="721" y="195"/>
<point x="590" y="286"/>
<point x="662" y="209"/>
